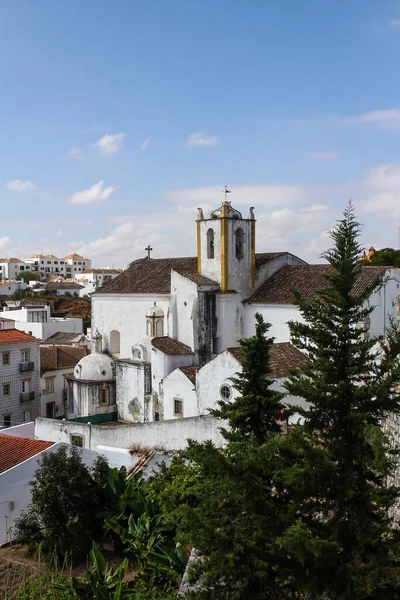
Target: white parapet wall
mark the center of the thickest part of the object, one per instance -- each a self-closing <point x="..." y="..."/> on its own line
<point x="166" y="435"/>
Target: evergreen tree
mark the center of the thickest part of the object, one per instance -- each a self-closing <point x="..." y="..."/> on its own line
<point x="235" y="505"/>
<point x="256" y="411"/>
<point x="350" y="390"/>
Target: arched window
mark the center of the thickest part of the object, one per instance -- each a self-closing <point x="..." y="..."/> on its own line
<point x="159" y="327"/>
<point x="104" y="396"/>
<point x="149" y="327"/>
<point x="155" y="321"/>
<point x="239" y="238"/>
<point x="114" y="341"/>
<point x="210" y="243"/>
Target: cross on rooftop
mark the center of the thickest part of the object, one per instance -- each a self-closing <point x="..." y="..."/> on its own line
<point x="226" y="192"/>
<point x="148" y="250"/>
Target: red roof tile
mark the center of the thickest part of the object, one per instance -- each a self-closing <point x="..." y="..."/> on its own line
<point x="60" y="357"/>
<point x="284" y="357"/>
<point x="191" y="373"/>
<point x="308" y="280"/>
<point x="170" y="346"/>
<point x="10" y="336"/>
<point x="14" y="450"/>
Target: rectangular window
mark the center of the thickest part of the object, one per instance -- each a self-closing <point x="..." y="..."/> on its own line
<point x="50" y="410"/>
<point x="178" y="407"/>
<point x="6" y="358"/>
<point x="77" y="440"/>
<point x="25" y="386"/>
<point x="6" y="389"/>
<point x="49" y="262"/>
<point x="25" y="356"/>
<point x="27" y="416"/>
<point x="156" y="415"/>
<point x="7" y="420"/>
<point x="50" y="385"/>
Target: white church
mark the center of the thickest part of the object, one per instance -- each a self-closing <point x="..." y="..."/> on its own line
<point x="166" y="330"/>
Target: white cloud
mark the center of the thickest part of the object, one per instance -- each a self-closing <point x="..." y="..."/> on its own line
<point x="97" y="193"/>
<point x="110" y="143"/>
<point x="201" y="139"/>
<point x="394" y="23"/>
<point x="324" y="155"/>
<point x="383" y="119"/>
<point x="59" y="232"/>
<point x="144" y="145"/>
<point x="4" y="241"/>
<point x="20" y="186"/>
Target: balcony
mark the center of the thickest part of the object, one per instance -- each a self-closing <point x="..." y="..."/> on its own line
<point x="26" y="396"/>
<point x="26" y="366"/>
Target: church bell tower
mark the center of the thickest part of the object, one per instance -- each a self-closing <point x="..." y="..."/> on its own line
<point x="226" y="248"/>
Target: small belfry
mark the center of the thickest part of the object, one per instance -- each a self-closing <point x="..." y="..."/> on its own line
<point x="226" y="247"/>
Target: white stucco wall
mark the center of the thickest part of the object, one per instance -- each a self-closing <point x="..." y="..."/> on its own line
<point x="183" y="307"/>
<point x="132" y="389"/>
<point x="230" y="320"/>
<point x="15" y="492"/>
<point x="211" y="267"/>
<point x="384" y="300"/>
<point x="239" y="270"/>
<point x="278" y="315"/>
<point x="57" y="395"/>
<point x="177" y="385"/>
<point x="126" y="314"/>
<point x="44" y="330"/>
<point x="211" y="377"/>
<point x="170" y="435"/>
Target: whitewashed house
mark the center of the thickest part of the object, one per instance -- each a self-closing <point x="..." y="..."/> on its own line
<point x="11" y="267"/>
<point x="9" y="287"/>
<point x="56" y="364"/>
<point x="36" y="320"/>
<point x="19" y="376"/>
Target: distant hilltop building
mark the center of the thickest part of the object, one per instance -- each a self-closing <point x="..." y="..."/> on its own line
<point x="370" y="254"/>
<point x="45" y="264"/>
<point x="67" y="266"/>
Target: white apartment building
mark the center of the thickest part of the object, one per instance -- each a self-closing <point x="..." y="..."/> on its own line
<point x="97" y="276"/>
<point x="19" y="377"/>
<point x="48" y="264"/>
<point x="11" y="267"/>
<point x="35" y="320"/>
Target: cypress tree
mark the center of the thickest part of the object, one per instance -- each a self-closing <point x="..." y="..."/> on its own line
<point x="350" y="390"/>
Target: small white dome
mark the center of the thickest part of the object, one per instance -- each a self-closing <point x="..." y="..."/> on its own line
<point x="155" y="311"/>
<point x="95" y="367"/>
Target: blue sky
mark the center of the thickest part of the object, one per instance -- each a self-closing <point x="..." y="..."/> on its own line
<point x="120" y="118"/>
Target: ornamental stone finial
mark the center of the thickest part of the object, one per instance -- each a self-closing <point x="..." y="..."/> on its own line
<point x="200" y="214"/>
<point x="251" y="213"/>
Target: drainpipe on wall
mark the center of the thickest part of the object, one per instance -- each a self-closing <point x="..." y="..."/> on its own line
<point x="90" y="435"/>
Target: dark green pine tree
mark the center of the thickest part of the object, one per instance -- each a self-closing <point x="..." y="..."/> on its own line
<point x="350" y="390"/>
<point x="234" y="505"/>
<point x="257" y="409"/>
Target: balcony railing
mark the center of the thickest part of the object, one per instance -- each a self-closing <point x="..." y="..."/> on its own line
<point x="26" y="396"/>
<point x="26" y="366"/>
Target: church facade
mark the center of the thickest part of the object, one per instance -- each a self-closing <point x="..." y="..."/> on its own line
<point x="171" y="326"/>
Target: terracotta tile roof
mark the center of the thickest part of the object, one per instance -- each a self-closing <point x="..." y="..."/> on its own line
<point x="60" y="357"/>
<point x="74" y="256"/>
<point x="63" y="336"/>
<point x="105" y="271"/>
<point x="284" y="356"/>
<point x="190" y="372"/>
<point x="11" y="336"/>
<point x="63" y="285"/>
<point x="148" y="276"/>
<point x="11" y="260"/>
<point x="265" y="257"/>
<point x="14" y="450"/>
<point x="196" y="277"/>
<point x="153" y="276"/>
<point x="170" y="346"/>
<point x="308" y="280"/>
<point x="8" y="283"/>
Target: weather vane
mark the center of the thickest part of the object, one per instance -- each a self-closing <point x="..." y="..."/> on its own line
<point x="226" y="192"/>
